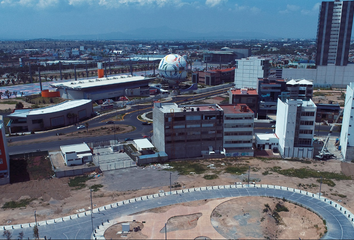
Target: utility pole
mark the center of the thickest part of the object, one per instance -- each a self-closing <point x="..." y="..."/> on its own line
<point x="91" y="210"/>
<point x="165" y="231"/>
<point x="75" y="72"/>
<point x="170" y="182"/>
<point x="319" y="195"/>
<point x="86" y="68"/>
<point x="249" y="169"/>
<point x="35" y="217"/>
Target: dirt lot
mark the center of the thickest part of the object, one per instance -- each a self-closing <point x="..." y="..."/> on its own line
<point x="53" y="198"/>
<point x="258" y="217"/>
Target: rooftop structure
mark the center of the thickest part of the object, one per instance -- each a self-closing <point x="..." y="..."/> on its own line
<point x="245" y="96"/>
<point x="76" y="154"/>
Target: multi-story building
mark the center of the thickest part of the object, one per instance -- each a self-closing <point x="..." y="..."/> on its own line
<point x="187" y="131"/>
<point x="299" y="89"/>
<point x="327" y="112"/>
<point x="295" y="128"/>
<point x="214" y="77"/>
<point x="238" y="130"/>
<point x="4" y="156"/>
<point x="334" y="32"/>
<point x="248" y="71"/>
<point x="347" y="134"/>
<point x="269" y="90"/>
<point x="245" y="96"/>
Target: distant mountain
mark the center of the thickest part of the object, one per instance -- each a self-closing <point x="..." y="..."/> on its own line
<point x="166" y="33"/>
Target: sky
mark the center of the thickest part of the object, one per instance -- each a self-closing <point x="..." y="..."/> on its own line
<point x="26" y="19"/>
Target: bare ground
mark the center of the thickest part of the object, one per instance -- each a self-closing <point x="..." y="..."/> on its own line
<point x="114" y="232"/>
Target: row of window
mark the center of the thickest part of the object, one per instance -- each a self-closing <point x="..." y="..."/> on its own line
<point x="238" y="126"/>
<point x="311" y="114"/>
<point x="306" y="122"/>
<point x="194" y="140"/>
<point x="193" y="133"/>
<point x="229" y="142"/>
<point x="237" y="118"/>
<point x="305" y="131"/>
<point x="193" y="117"/>
<point x="237" y="133"/>
<point x="191" y="126"/>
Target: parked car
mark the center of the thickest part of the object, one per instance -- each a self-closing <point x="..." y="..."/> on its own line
<point x="146" y="123"/>
<point x="128" y="139"/>
<point x="145" y="136"/>
<point x="81" y="127"/>
<point x="109" y="122"/>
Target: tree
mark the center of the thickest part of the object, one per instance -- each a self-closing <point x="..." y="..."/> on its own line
<point x="14" y="93"/>
<point x="20" y="235"/>
<point x="1" y="93"/>
<point x="22" y="93"/>
<point x="8" y="94"/>
<point x="19" y="105"/>
<point x="35" y="232"/>
<point x="7" y="234"/>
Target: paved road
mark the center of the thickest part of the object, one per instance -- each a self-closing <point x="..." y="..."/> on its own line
<point x="339" y="227"/>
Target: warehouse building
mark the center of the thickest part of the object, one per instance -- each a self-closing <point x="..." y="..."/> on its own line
<point x="59" y="115"/>
<point x="103" y="88"/>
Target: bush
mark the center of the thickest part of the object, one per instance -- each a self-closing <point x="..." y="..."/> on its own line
<point x="79" y="182"/>
<point x="281" y="208"/>
<point x="210" y="176"/>
<point x="96" y="187"/>
<point x="238" y="169"/>
<point x="18" y="204"/>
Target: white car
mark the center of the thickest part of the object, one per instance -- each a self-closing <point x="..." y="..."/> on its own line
<point x="81" y="127"/>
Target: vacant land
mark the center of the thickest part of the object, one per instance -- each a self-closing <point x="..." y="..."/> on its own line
<point x="54" y="197"/>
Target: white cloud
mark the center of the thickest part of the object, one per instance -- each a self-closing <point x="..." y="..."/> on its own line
<point x="313" y="11"/>
<point x="253" y="10"/>
<point x="47" y="3"/>
<point x="213" y="3"/>
<point x="118" y="3"/>
<point x="290" y="8"/>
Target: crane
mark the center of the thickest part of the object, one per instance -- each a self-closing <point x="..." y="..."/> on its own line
<point x="324" y="153"/>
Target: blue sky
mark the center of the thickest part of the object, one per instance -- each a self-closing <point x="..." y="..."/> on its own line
<point x="50" y="18"/>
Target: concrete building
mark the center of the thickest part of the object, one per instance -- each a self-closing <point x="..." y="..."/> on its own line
<point x="334" y="32"/>
<point x="245" y="96"/>
<point x="226" y="55"/>
<point x="76" y="154"/>
<point x="143" y="144"/>
<point x="214" y="77"/>
<point x="265" y="141"/>
<point x="102" y="88"/>
<point x="269" y="90"/>
<point x="238" y="130"/>
<point x="59" y="115"/>
<point x="4" y="156"/>
<point x="327" y="112"/>
<point x="347" y="133"/>
<point x="187" y="131"/>
<point x="299" y="89"/>
<point x="295" y="128"/>
<point x="248" y="71"/>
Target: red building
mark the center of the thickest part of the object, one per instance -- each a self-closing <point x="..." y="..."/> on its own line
<point x="245" y="96"/>
<point x="214" y="77"/>
<point x="4" y="156"/>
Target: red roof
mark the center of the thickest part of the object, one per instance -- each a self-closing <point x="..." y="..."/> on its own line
<point x="238" y="108"/>
<point x="249" y="92"/>
<point x="222" y="70"/>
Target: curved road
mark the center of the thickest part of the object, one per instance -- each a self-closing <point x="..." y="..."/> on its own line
<point x="339" y="227"/>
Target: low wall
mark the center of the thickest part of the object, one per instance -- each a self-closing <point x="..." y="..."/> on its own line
<point x="74" y="172"/>
<point x="49" y="94"/>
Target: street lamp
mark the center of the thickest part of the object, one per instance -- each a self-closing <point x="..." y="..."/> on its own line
<point x="170" y="182"/>
<point x="91" y="210"/>
<point x="35" y="217"/>
<point x="249" y="169"/>
<point x="319" y="195"/>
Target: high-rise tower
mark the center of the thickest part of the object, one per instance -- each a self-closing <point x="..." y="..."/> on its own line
<point x="334" y="32"/>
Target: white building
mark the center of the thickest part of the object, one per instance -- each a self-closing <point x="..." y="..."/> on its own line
<point x="330" y="75"/>
<point x="347" y="134"/>
<point x="238" y="130"/>
<point x="266" y="141"/>
<point x="295" y="128"/>
<point x="143" y="144"/>
<point x="249" y="70"/>
<point x="76" y="154"/>
<point x="4" y="156"/>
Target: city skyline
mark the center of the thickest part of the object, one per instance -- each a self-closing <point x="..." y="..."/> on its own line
<point x="29" y="19"/>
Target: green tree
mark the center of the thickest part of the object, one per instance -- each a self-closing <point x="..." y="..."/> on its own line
<point x="20" y="235"/>
<point x="19" y="105"/>
<point x="35" y="232"/>
<point x="7" y="234"/>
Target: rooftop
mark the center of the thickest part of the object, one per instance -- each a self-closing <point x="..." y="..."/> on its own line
<point x="247" y="91"/>
<point x="51" y="109"/>
<point x="78" y="148"/>
<point x="98" y="82"/>
<point x="299" y="82"/>
<point x="222" y="70"/>
<point x="173" y="107"/>
<point x="236" y="109"/>
<point x="266" y="136"/>
<point x="143" y="143"/>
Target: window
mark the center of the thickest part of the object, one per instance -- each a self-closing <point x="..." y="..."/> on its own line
<point x="198" y="117"/>
<point x="178" y="126"/>
<point x="207" y="125"/>
<point x="305" y="131"/>
<point x="1" y="161"/>
<point x="193" y="125"/>
<point x="183" y="118"/>
<point x="36" y="121"/>
<point x="308" y="114"/>
<point x="306" y="122"/>
<point x="209" y="117"/>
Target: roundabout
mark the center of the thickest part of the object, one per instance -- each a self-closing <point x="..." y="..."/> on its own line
<point x="339" y="220"/>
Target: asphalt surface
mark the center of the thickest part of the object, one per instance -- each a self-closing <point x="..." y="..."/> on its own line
<point x="339" y="227"/>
